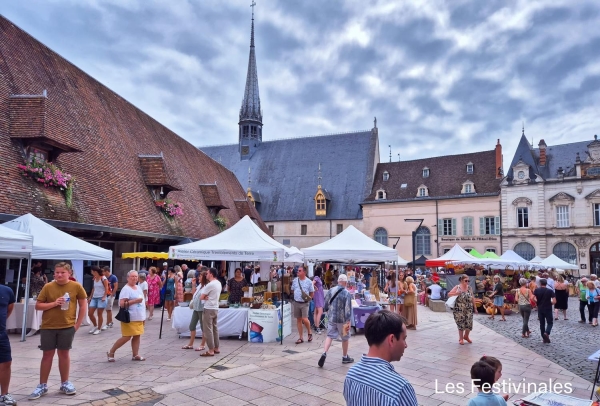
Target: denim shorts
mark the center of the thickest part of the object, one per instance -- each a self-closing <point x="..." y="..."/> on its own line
<point x="498" y="300"/>
<point x="98" y="303"/>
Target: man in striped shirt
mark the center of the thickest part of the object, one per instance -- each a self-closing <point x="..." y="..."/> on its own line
<point x="373" y="381"/>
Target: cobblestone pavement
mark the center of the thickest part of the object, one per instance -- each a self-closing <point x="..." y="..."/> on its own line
<point x="572" y="342"/>
<point x="144" y="397"/>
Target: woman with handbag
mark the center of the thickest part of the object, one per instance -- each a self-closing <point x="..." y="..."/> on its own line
<point x="409" y="310"/>
<point x="131" y="306"/>
<point x="525" y="298"/>
<point x="198" y="308"/>
<point x="463" y="309"/>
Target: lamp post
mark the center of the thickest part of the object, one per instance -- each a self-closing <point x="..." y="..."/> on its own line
<point x="414" y="235"/>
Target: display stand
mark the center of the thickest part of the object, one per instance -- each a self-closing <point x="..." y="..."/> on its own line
<point x="269" y="325"/>
<point x="595" y="357"/>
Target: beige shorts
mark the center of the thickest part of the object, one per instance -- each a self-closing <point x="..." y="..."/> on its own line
<point x="301" y="310"/>
<point x="110" y="301"/>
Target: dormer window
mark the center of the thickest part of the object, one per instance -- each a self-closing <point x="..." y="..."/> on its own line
<point x="386" y="176"/>
<point x="422" y="191"/>
<point x="425" y="172"/>
<point x="470" y="168"/>
<point x="321" y="200"/>
<point x="380" y="195"/>
<point x="37" y="154"/>
<point x="468" y="187"/>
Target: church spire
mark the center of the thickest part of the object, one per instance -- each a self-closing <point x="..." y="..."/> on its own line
<point x="250" y="124"/>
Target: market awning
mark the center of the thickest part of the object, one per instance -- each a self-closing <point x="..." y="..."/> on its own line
<point x="475" y="253"/>
<point x="145" y="255"/>
<point x="456" y="254"/>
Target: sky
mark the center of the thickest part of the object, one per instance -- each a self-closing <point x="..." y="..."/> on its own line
<point x="442" y="77"/>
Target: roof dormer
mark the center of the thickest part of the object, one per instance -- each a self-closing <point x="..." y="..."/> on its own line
<point x="422" y="191"/>
<point x="321" y="202"/>
<point x="386" y="176"/>
<point x="212" y="199"/>
<point x="156" y="176"/>
<point x="426" y="172"/>
<point x="468" y="187"/>
<point x="380" y="195"/>
<point x="470" y="168"/>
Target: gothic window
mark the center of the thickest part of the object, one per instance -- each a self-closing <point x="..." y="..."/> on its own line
<point x="566" y="252"/>
<point x="423" y="241"/>
<point x="525" y="250"/>
<point x="381" y="236"/>
<point x="523" y="217"/>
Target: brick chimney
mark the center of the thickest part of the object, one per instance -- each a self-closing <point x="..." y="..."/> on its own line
<point x="542" y="145"/>
<point x="499" y="170"/>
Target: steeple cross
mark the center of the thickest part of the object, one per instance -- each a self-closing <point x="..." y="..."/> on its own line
<point x="252" y="5"/>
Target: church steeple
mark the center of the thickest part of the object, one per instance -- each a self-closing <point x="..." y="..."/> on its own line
<point x="250" y="124"/>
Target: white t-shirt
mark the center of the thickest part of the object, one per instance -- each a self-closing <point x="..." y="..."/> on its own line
<point x="213" y="290"/>
<point x="143" y="286"/>
<point x="137" y="312"/>
<point x="254" y="279"/>
<point x="435" y="291"/>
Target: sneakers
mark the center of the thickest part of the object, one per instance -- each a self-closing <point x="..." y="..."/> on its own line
<point x="110" y="324"/>
<point x="96" y="332"/>
<point x="67" y="388"/>
<point x="105" y="327"/>
<point x="93" y="330"/>
<point x="347" y="360"/>
<point x="39" y="391"/>
<point x="8" y="400"/>
<point x="322" y="360"/>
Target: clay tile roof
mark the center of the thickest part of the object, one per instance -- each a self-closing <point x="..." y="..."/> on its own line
<point x="243" y="208"/>
<point x="210" y="193"/>
<point x="155" y="173"/>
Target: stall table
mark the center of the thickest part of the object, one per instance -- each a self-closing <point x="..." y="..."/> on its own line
<point x="230" y="321"/>
<point x="34" y="318"/>
<point x="360" y="315"/>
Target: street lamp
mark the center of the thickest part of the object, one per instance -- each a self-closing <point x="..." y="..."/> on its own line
<point x="414" y="235"/>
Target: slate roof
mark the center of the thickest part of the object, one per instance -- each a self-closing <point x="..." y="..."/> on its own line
<point x="250" y="109"/>
<point x="446" y="177"/>
<point x="110" y="182"/>
<point x="285" y="173"/>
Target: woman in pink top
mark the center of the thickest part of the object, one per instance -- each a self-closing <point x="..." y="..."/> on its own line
<point x="154" y="286"/>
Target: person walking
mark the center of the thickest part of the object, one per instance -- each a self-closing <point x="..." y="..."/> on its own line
<point x="144" y="287"/>
<point x="131" y="298"/>
<point x="210" y="294"/>
<point x="561" y="290"/>
<point x="113" y="283"/>
<point x="409" y="308"/>
<point x="581" y="290"/>
<point x="524" y="299"/>
<point x="373" y="381"/>
<point x="170" y="293"/>
<point x="303" y="292"/>
<point x="97" y="300"/>
<point x="545" y="298"/>
<point x="154" y="286"/>
<point x="197" y="311"/>
<point x="392" y="290"/>
<point x="464" y="308"/>
<point x="58" y="327"/>
<point x="178" y="284"/>
<point x="498" y="295"/>
<point x="593" y="297"/>
<point x="318" y="299"/>
<point x="339" y="312"/>
<point x="7" y="304"/>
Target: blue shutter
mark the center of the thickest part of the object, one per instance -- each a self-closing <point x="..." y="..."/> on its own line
<point x="453" y="226"/>
<point x="497" y="225"/>
<point x="440" y="227"/>
<point x="482" y="225"/>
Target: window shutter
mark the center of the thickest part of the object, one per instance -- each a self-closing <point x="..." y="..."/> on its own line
<point x="453" y="226"/>
<point x="440" y="227"/>
<point x="465" y="226"/>
<point x="497" y="225"/>
<point x="482" y="225"/>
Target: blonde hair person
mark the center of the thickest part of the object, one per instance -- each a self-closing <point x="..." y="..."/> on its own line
<point x="524" y="298"/>
<point x="132" y="298"/>
<point x="410" y="312"/>
<point x="593" y="297"/>
<point x="178" y="283"/>
<point x="144" y="287"/>
<point x="561" y="291"/>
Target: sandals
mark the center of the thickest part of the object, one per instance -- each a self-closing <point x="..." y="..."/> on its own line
<point x="201" y="348"/>
<point x="187" y="347"/>
<point x="111" y="357"/>
<point x="207" y="354"/>
<point x="138" y="358"/>
<point x="217" y="352"/>
<point x="467" y="339"/>
<point x="309" y="338"/>
<point x="461" y="342"/>
<point x="299" y="341"/>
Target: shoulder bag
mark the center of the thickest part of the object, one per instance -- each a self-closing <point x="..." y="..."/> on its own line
<point x="410" y="298"/>
<point x="452" y="301"/>
<point x="123" y="316"/>
<point x="305" y="296"/>
<point x="327" y="304"/>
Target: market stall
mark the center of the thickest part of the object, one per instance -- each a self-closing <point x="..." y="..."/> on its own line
<point x="51" y="243"/>
<point x="230" y="321"/>
<point x="456" y="254"/>
<point x="269" y="325"/>
<point x="34" y="318"/>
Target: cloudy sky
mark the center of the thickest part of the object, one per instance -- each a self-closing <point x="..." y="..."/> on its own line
<point x="442" y="77"/>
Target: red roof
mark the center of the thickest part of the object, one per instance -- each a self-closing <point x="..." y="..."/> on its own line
<point x="112" y="177"/>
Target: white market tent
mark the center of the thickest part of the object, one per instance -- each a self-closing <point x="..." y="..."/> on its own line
<point x="244" y="241"/>
<point x="14" y="244"/>
<point x="555" y="262"/>
<point x="456" y="254"/>
<point x="536" y="260"/>
<point x="401" y="261"/>
<point x="350" y="246"/>
<point x="51" y="243"/>
<point x="294" y="255"/>
<point x="510" y="255"/>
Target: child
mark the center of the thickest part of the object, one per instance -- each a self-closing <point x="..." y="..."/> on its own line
<point x="483" y="375"/>
<point x="497" y="365"/>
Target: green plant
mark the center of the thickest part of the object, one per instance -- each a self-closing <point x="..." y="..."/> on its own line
<point x="221" y="222"/>
<point x="49" y="175"/>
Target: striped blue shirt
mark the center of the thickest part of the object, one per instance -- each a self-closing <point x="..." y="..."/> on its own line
<point x="374" y="382"/>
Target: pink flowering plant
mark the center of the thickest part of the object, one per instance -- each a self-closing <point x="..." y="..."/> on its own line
<point x="49" y="175"/>
<point x="170" y="208"/>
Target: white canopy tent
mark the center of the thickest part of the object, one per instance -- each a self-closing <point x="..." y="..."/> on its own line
<point x="51" y="243"/>
<point x="456" y="254"/>
<point x="244" y="241"/>
<point x="293" y="255"/>
<point x="536" y="260"/>
<point x="351" y="246"/>
<point x="401" y="261"/>
<point x="510" y="255"/>
<point x="555" y="262"/>
<point x="14" y="244"/>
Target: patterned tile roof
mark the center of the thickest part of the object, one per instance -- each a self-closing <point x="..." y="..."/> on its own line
<point x="110" y="182"/>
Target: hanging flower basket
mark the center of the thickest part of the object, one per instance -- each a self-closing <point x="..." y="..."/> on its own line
<point x="169" y="208"/>
<point x="49" y="175"/>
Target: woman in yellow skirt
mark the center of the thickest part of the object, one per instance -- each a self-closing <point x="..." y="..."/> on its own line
<point x="131" y="297"/>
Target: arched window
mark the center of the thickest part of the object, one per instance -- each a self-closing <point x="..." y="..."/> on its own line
<point x="525" y="250"/>
<point x="320" y="205"/>
<point x="566" y="252"/>
<point x="423" y="241"/>
<point x="381" y="236"/>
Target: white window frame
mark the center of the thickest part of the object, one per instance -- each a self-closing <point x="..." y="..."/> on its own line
<point x="470" y="168"/>
<point x="425" y="172"/>
<point x="596" y="207"/>
<point x="489" y="225"/>
<point x="422" y="192"/>
<point x="386" y="176"/>
<point x="562" y="216"/>
<point x="447" y="227"/>
<point x="522" y="217"/>
<point x="468" y="188"/>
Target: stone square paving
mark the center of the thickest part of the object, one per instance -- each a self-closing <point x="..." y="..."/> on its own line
<point x="273" y="374"/>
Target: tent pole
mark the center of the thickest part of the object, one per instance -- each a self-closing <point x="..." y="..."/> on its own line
<point x="19" y="277"/>
<point x="282" y="274"/>
<point x="24" y="326"/>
